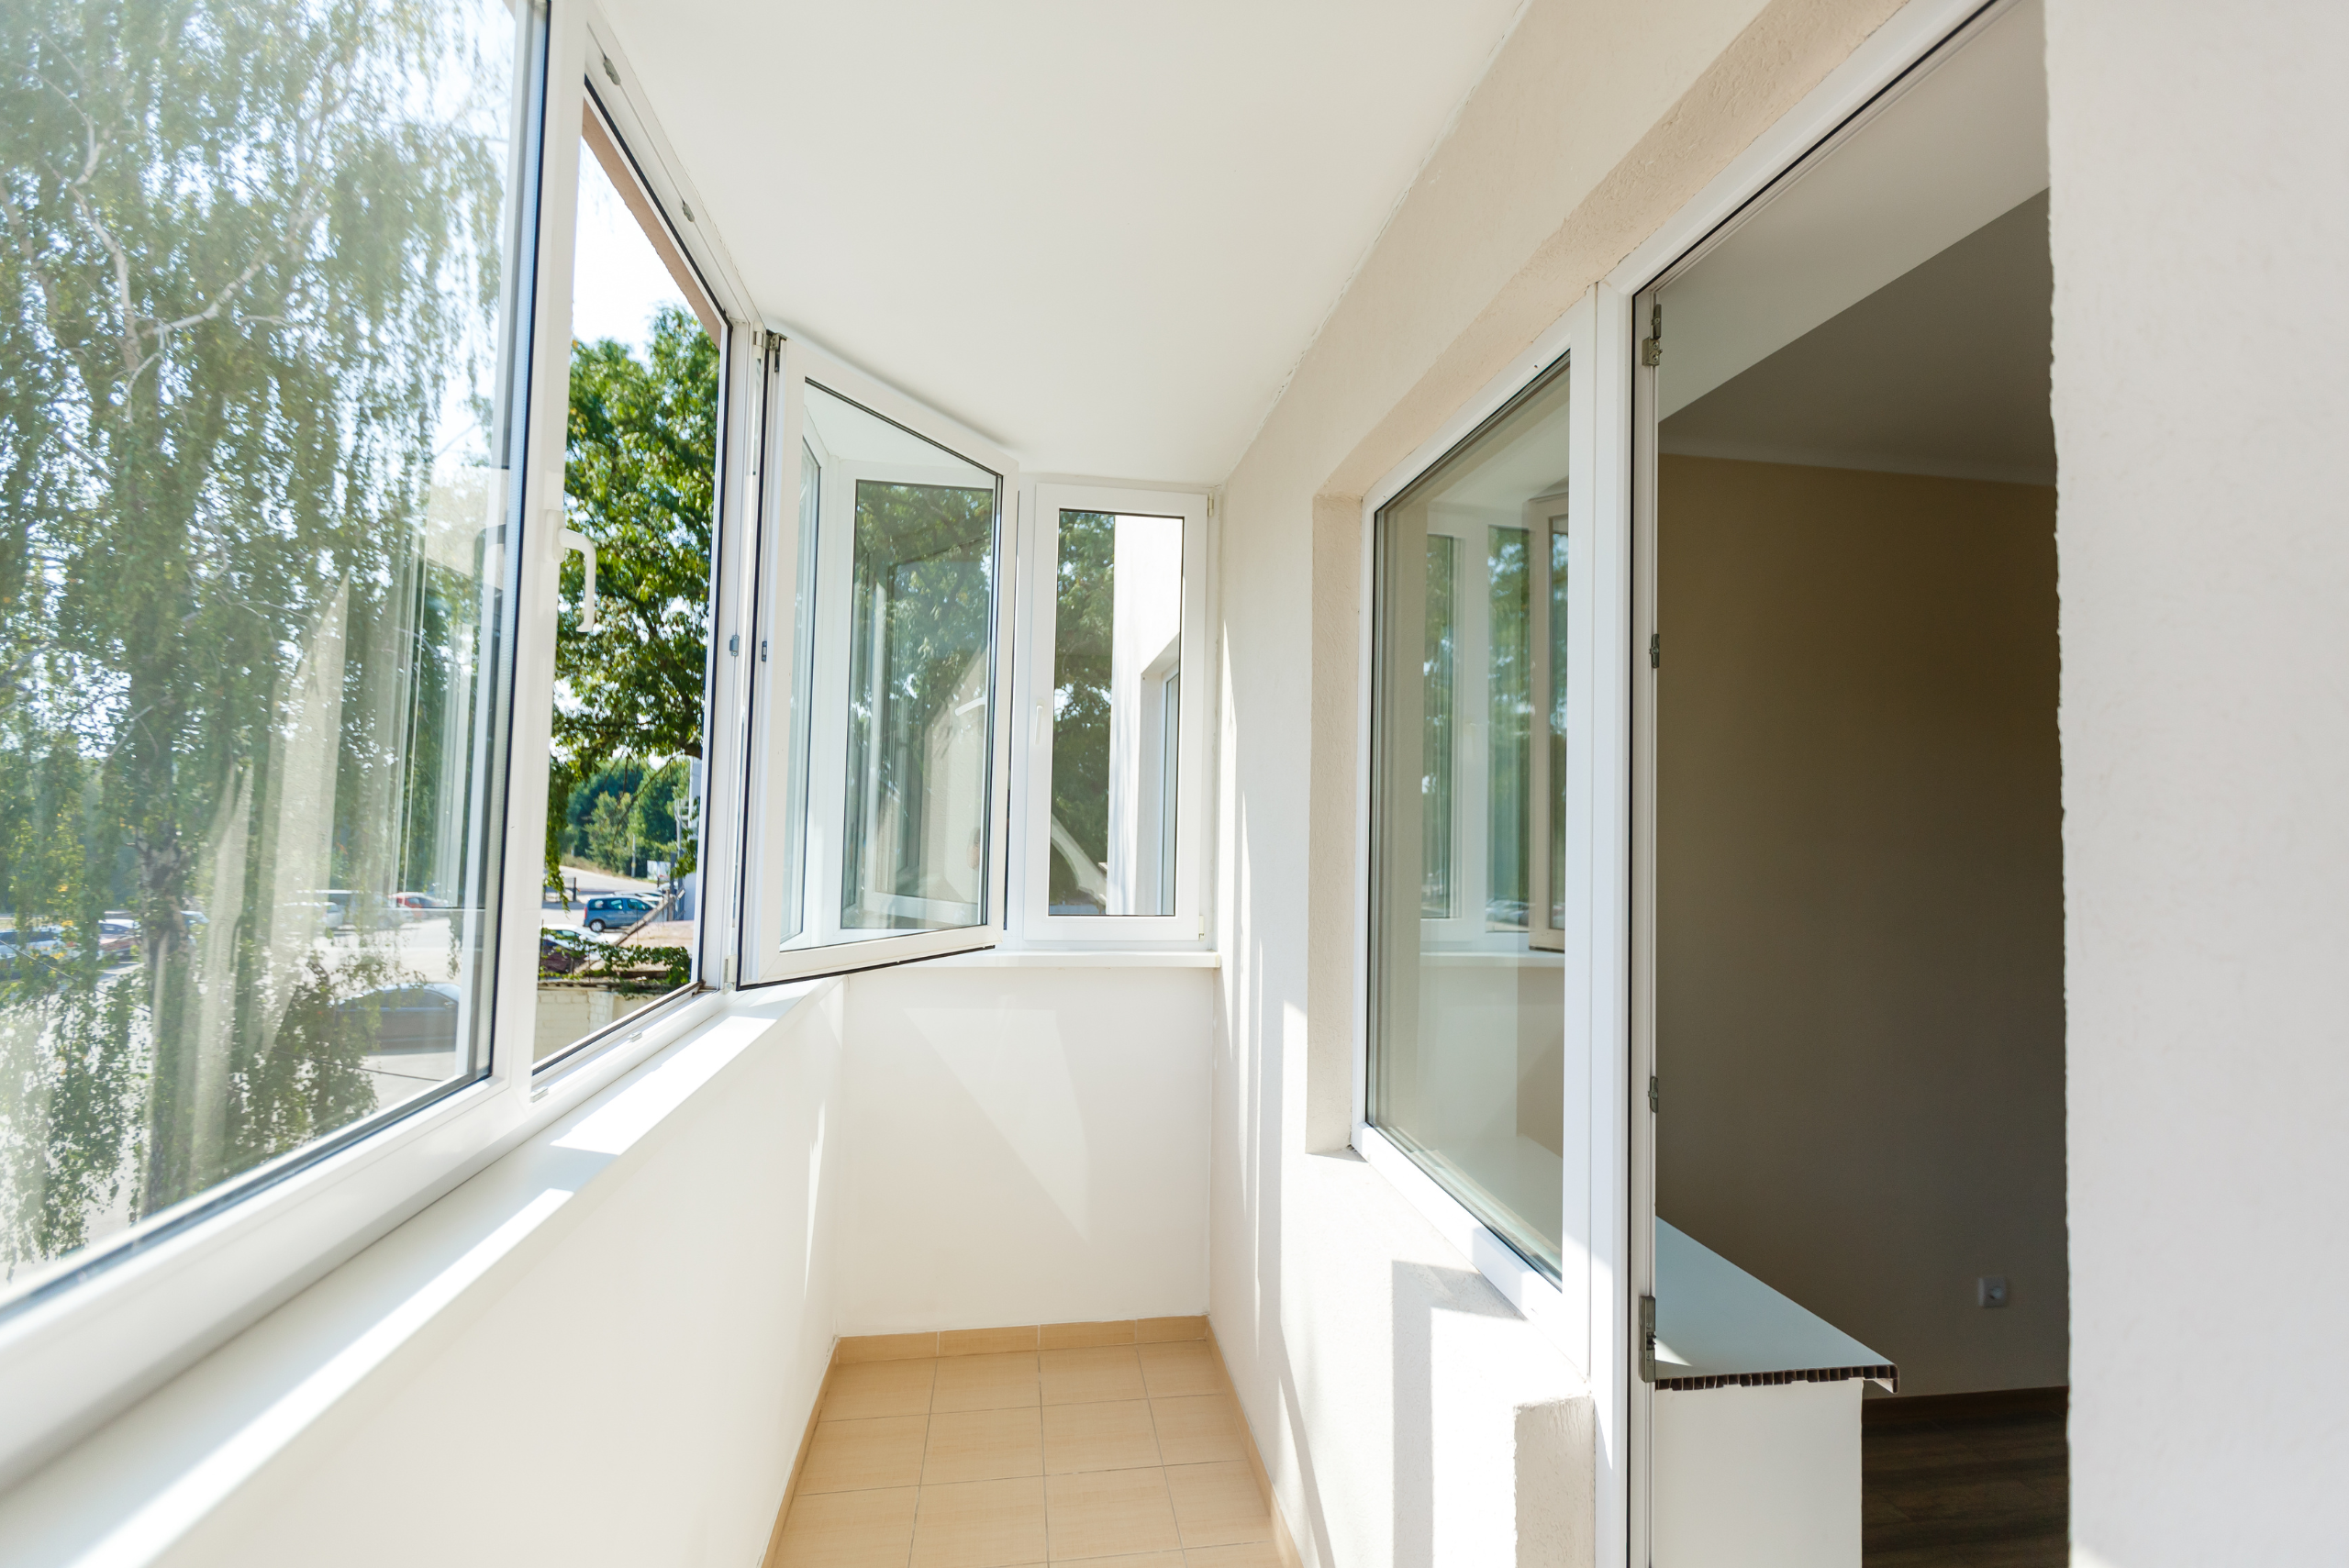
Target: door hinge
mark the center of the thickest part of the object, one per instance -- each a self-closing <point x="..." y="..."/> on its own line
<point x="1655" y="651"/>
<point x="1655" y="1100"/>
<point x="1647" y="1339"/>
<point x="1652" y="347"/>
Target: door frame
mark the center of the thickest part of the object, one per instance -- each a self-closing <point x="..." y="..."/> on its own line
<point x="1898" y="55"/>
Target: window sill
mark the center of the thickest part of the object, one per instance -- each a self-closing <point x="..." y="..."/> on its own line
<point x="1079" y="958"/>
<point x="180" y="1454"/>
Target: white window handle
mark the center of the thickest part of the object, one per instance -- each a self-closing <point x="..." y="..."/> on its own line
<point x="573" y="539"/>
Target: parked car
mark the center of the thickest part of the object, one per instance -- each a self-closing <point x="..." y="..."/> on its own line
<point x="421" y="906"/>
<point x="407" y="1017"/>
<point x="616" y="911"/>
<point x="118" y="936"/>
<point x="560" y="952"/>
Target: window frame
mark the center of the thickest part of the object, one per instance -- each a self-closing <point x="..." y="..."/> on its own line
<point x="774" y="653"/>
<point x="130" y="1315"/>
<point x="613" y="115"/>
<point x="1032" y="728"/>
<point x="1571" y="1311"/>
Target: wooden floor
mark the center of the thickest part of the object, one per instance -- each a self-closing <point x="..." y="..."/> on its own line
<point x="1975" y="1480"/>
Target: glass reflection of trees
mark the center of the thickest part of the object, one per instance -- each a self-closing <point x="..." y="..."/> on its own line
<point x="1083" y="652"/>
<point x="919" y="634"/>
<point x="249" y="286"/>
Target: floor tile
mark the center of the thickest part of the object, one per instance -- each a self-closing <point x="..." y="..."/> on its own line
<point x="1256" y="1554"/>
<point x="1176" y="1369"/>
<point x="1117" y="1435"/>
<point x="856" y="1456"/>
<point x="983" y="1445"/>
<point x="1200" y="1428"/>
<point x="848" y="1530"/>
<point x="985" y="1383"/>
<point x="1124" y="1560"/>
<point x="1218" y="1505"/>
<point x="980" y="1524"/>
<point x="878" y="1388"/>
<point x="1151" y="1331"/>
<point x="1082" y="1378"/>
<point x="885" y="1348"/>
<point x="1084" y="1335"/>
<point x="1103" y="1512"/>
<point x="986" y="1341"/>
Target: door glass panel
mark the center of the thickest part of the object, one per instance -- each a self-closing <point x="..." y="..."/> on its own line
<point x="622" y="897"/>
<point x="1117" y="684"/>
<point x="1468" y="1012"/>
<point x="897" y="711"/>
<point x="258" y="417"/>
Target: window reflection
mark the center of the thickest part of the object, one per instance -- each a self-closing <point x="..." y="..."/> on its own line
<point x="1468" y="1008"/>
<point x="1117" y="707"/>
<point x="892" y="713"/>
<point x="256" y="423"/>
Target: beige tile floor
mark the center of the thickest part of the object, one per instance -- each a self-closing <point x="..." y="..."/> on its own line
<point x="1113" y="1444"/>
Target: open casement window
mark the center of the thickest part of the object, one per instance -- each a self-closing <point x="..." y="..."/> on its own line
<point x="620" y="908"/>
<point x="1110" y="716"/>
<point x="879" y="764"/>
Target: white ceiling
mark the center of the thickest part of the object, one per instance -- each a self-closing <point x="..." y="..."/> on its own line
<point x="1101" y="235"/>
<point x="1942" y="370"/>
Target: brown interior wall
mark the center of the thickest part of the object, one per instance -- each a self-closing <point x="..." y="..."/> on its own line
<point x="1860" y="1004"/>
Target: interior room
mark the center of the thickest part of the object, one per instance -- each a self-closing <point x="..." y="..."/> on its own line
<point x="1335" y="783"/>
<point x="1859" y="916"/>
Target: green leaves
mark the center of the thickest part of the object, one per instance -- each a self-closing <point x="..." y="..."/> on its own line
<point x="639" y="480"/>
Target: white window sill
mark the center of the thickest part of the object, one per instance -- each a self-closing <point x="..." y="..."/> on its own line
<point x="1078" y="958"/>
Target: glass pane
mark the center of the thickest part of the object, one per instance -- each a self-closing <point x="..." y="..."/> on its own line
<point x="1558" y="740"/>
<point x="1468" y="1018"/>
<point x="1435" y="721"/>
<point x="624" y="792"/>
<point x="898" y="639"/>
<point x="1508" y="694"/>
<point x="255" y="414"/>
<point x="1117" y="683"/>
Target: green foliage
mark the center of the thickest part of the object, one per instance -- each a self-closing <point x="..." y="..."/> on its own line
<point x="638" y="480"/>
<point x="1081" y="628"/>
<point x="922" y="561"/>
<point x="246" y="251"/>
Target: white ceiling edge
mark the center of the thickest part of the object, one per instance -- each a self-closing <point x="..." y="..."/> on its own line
<point x="1963" y="146"/>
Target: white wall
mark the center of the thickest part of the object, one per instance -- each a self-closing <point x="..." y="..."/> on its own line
<point x="603" y="1349"/>
<point x="1595" y="122"/>
<point x="1024" y="1145"/>
<point x="2200" y="159"/>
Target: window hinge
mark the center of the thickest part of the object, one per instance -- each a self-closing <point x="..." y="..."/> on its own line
<point x="763" y="650"/>
<point x="734" y="645"/>
<point x="1655" y="1103"/>
<point x="1647" y="1339"/>
<point x="1655" y="651"/>
<point x="1652" y="347"/>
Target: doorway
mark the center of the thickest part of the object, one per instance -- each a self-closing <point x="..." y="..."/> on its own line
<point x="1861" y="1320"/>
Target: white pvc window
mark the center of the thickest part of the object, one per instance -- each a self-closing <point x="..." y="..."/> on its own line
<point x="1112" y="842"/>
<point x="878" y="761"/>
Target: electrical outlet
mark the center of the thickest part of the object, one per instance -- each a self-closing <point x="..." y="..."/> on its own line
<point x="1990" y="1290"/>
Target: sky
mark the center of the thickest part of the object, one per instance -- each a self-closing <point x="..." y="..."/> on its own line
<point x="616" y="279"/>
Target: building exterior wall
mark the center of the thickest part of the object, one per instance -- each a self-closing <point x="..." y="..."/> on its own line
<point x="2201" y="249"/>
